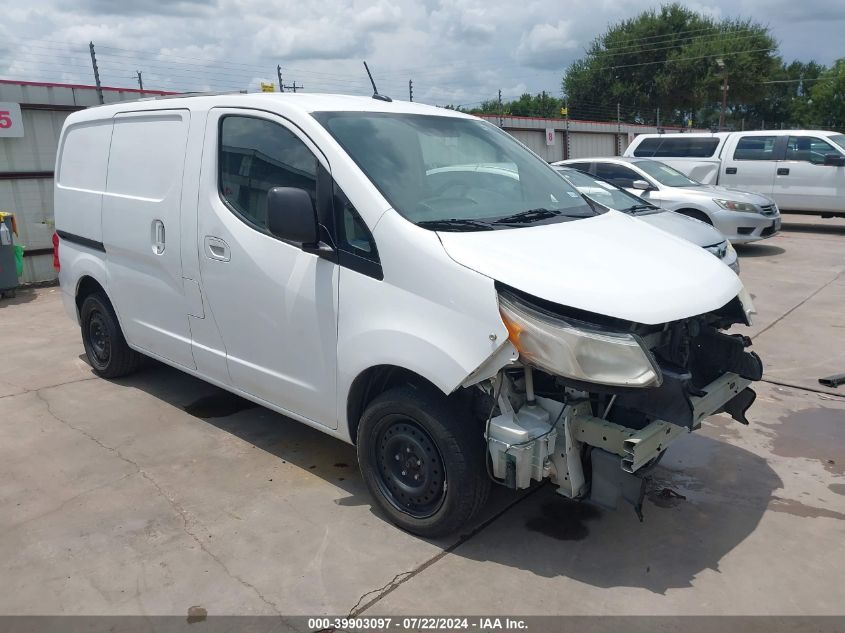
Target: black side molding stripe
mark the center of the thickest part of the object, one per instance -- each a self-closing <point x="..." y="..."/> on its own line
<point x="81" y="241"/>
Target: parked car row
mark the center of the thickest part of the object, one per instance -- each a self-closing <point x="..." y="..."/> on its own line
<point x="803" y="171"/>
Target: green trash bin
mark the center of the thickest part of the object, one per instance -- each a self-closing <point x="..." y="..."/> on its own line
<point x="8" y="263"/>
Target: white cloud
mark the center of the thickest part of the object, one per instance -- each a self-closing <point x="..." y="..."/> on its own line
<point x="546" y="45"/>
<point x="458" y="51"/>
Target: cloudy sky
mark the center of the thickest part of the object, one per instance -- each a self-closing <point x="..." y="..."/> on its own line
<point x="456" y="51"/>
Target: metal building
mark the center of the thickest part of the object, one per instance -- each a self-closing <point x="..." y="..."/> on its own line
<point x="28" y="156"/>
<point x="560" y="139"/>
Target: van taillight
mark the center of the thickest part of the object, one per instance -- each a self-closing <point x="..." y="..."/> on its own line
<point x="56" y="263"/>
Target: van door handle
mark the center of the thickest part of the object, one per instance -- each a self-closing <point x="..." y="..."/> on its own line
<point x="730" y="170"/>
<point x="158" y="237"/>
<point x="215" y="248"/>
<point x="783" y="171"/>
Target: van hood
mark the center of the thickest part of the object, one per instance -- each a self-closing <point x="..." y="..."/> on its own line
<point x="610" y="264"/>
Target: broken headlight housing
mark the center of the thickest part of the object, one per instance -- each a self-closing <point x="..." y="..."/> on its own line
<point x="574" y="350"/>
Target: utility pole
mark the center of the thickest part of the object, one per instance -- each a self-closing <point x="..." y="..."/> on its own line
<point x="501" y="120"/>
<point x="279" y="74"/>
<point x="721" y="63"/>
<point x="658" y="117"/>
<point x="140" y="80"/>
<point x="410" y="90"/>
<point x="293" y="86"/>
<point x="96" y="73"/>
<point x="618" y="129"/>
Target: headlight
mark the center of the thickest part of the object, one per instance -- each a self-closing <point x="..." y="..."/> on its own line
<point x="732" y="205"/>
<point x="730" y="250"/>
<point x="605" y="358"/>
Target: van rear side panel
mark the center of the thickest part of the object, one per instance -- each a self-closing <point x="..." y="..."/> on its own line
<point x="81" y="169"/>
<point x="141" y="231"/>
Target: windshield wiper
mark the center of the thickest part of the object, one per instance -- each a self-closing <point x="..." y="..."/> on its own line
<point x="456" y="224"/>
<point x="530" y="215"/>
<point x="641" y="207"/>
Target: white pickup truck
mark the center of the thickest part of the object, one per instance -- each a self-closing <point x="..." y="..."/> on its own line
<point x="802" y="170"/>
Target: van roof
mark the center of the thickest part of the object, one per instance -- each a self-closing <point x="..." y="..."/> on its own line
<point x="304" y="103"/>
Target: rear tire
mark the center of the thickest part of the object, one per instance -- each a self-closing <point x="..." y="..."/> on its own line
<point x="105" y="345"/>
<point x="422" y="458"/>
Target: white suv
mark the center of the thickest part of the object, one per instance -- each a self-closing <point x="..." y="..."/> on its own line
<point x="317" y="255"/>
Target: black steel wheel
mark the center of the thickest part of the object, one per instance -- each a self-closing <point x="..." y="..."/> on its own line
<point x="422" y="458"/>
<point x="411" y="474"/>
<point x="105" y="345"/>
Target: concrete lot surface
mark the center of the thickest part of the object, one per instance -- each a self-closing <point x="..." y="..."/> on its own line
<point x="157" y="493"/>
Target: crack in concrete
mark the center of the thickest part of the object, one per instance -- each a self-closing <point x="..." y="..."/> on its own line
<point x="798" y="305"/>
<point x="183" y="514"/>
<point x="405" y="576"/>
<point x="69" y="500"/>
<point x="58" y="384"/>
<point x="384" y="589"/>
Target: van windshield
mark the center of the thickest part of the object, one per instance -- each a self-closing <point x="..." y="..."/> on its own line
<point x="450" y="173"/>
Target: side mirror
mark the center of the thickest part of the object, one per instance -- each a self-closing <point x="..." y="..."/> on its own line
<point x="642" y="185"/>
<point x="291" y="215"/>
<point x="834" y="160"/>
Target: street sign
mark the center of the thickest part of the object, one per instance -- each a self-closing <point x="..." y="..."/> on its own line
<point x="11" y="123"/>
<point x="268" y="87"/>
<point x="550" y="136"/>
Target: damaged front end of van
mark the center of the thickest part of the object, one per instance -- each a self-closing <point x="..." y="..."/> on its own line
<point x="593" y="402"/>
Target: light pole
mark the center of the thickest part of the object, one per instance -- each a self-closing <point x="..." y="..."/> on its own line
<point x="721" y="64"/>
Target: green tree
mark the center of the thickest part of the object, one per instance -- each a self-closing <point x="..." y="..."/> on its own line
<point x="667" y="59"/>
<point x="826" y="104"/>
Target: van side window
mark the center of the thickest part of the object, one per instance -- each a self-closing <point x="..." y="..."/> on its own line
<point x="256" y="155"/>
<point x="680" y="146"/>
<point x="755" y="148"/>
<point x="619" y="175"/>
<point x="355" y="244"/>
<point x="808" y="148"/>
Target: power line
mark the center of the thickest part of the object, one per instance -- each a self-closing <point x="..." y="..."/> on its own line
<point x="679" y="44"/>
<point x="687" y="59"/>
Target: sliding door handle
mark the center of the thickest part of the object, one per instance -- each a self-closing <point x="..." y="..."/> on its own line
<point x="158" y="237"/>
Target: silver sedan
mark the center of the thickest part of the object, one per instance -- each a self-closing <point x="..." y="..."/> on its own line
<point x="741" y="216"/>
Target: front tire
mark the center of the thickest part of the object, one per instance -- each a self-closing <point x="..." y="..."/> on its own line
<point x="422" y="458"/>
<point x="105" y="345"/>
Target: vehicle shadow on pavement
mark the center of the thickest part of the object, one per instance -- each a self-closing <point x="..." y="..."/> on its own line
<point x="290" y="441"/>
<point x="22" y="295"/>
<point x="702" y="502"/>
<point x="287" y="439"/>
<point x="724" y="492"/>
<point x="758" y="250"/>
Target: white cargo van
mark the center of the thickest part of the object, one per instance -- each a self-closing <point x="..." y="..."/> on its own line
<point x="803" y="171"/>
<point x="317" y="255"/>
